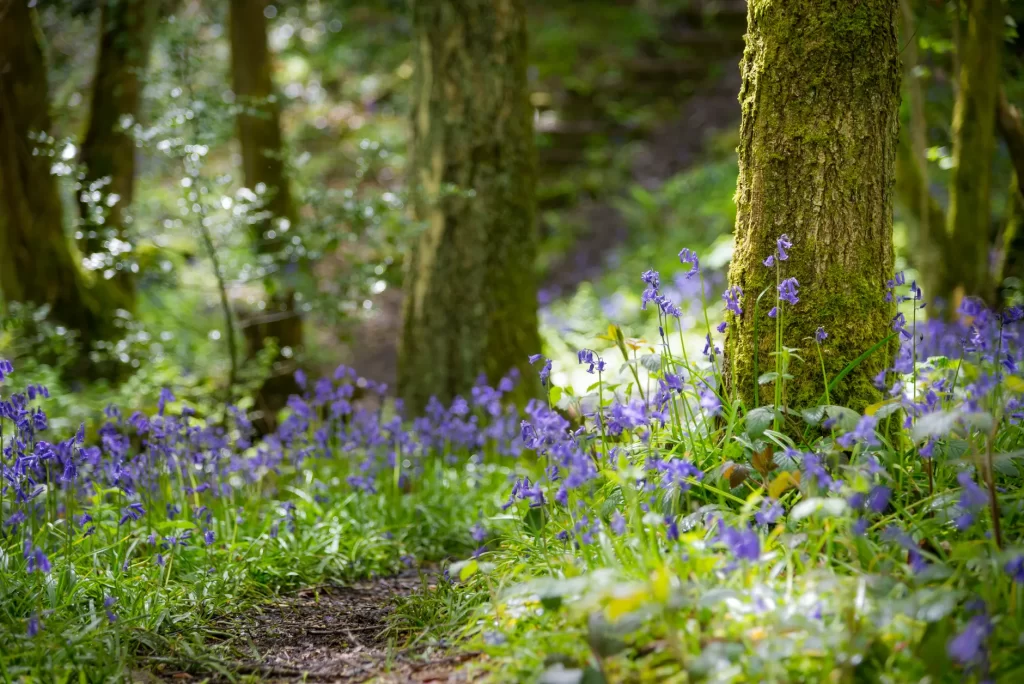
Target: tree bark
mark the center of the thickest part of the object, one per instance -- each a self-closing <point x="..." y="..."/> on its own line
<point x="259" y="120"/>
<point x="108" y="149"/>
<point x="37" y="266"/>
<point x="1011" y="128"/>
<point x="928" y="229"/>
<point x="818" y="137"/>
<point x="470" y="294"/>
<point x="974" y="117"/>
<point x="259" y="133"/>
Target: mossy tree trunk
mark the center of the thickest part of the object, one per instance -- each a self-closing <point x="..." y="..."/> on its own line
<point x="258" y="125"/>
<point x="108" y="150"/>
<point x="968" y="269"/>
<point x="820" y="94"/>
<point x="470" y="294"/>
<point x="37" y="265"/>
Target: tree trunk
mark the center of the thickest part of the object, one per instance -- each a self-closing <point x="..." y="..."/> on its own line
<point x="259" y="120"/>
<point x="37" y="266"/>
<point x="820" y="94"/>
<point x="470" y="294"/>
<point x="108" y="150"/>
<point x="974" y="118"/>
<point x="259" y="132"/>
<point x="928" y="227"/>
<point x="1011" y="128"/>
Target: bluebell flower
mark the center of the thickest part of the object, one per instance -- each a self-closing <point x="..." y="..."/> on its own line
<point x="618" y="523"/>
<point x="1015" y="568"/>
<point x="133" y="512"/>
<point x="820" y="335"/>
<point x="672" y="528"/>
<point x="899" y="324"/>
<point x="108" y="604"/>
<point x="863" y="433"/>
<point x="687" y="256"/>
<point x="782" y="244"/>
<point x="878" y="499"/>
<point x="769" y="261"/>
<point x="732" y="298"/>
<point x="744" y="544"/>
<point x="34" y="625"/>
<point x="968" y="647"/>
<point x="788" y="291"/>
<point x="972" y="499"/>
<point x="589" y="357"/>
<point x="770" y="512"/>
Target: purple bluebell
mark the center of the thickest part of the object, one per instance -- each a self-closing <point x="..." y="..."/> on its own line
<point x="788" y="291"/>
<point x="743" y="543"/>
<point x="733" y="297"/>
<point x="769" y="513"/>
<point x="969" y="646"/>
<point x="863" y="433"/>
<point x="1015" y="568"/>
<point x="688" y="256"/>
<point x="782" y="244"/>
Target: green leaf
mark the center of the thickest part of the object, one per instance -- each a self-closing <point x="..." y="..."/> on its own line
<point x="651" y="362"/>
<point x="759" y="419"/>
<point x="468" y="570"/>
<point x="554" y="394"/>
<point x="535" y="519"/>
<point x="846" y="419"/>
<point x="765" y="378"/>
<point x="813" y="416"/>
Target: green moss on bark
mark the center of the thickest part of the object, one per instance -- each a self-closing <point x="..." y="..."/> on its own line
<point x="37" y="265"/>
<point x="819" y="99"/>
<point x="471" y="298"/>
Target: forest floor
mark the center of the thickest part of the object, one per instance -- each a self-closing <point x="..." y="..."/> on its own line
<point x="328" y="633"/>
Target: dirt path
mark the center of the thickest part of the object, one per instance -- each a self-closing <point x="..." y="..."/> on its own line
<point x="330" y="634"/>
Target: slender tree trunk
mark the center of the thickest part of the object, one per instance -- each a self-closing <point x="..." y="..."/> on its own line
<point x="259" y="132"/>
<point x="37" y="266"/>
<point x="1011" y="128"/>
<point x="974" y="118"/>
<point x="928" y="230"/>
<point x="820" y="94"/>
<point x="470" y="294"/>
<point x="108" y="150"/>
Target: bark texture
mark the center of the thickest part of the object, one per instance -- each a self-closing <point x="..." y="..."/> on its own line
<point x="471" y="293"/>
<point x="820" y="94"/>
<point x="259" y="132"/>
<point x="108" y="149"/>
<point x="928" y="224"/>
<point x="974" y="120"/>
<point x="259" y="121"/>
<point x="1011" y="128"/>
<point x="37" y="266"/>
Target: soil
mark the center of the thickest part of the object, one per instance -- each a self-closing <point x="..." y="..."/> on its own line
<point x="329" y="634"/>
